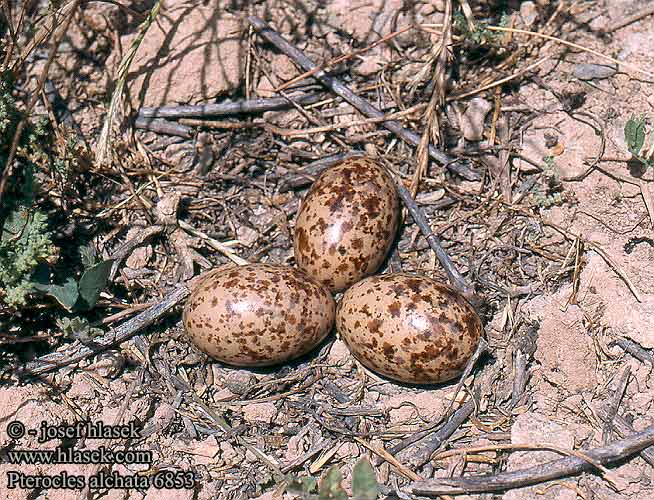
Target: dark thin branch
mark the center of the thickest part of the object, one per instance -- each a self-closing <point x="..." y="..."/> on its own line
<point x="421" y="452"/>
<point x="635" y="349"/>
<point x="568" y="466"/>
<point x="228" y="108"/>
<point x="161" y="126"/>
<point x="457" y="280"/>
<point x="358" y="102"/>
<point x="433" y="436"/>
<point x="78" y="351"/>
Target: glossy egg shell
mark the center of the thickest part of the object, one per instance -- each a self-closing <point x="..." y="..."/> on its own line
<point x="347" y="223"/>
<point x="409" y="328"/>
<point x="258" y="314"/>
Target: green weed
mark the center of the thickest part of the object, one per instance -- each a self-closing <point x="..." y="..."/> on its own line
<point x="634" y="134"/>
<point x="25" y="238"/>
<point x="364" y="484"/>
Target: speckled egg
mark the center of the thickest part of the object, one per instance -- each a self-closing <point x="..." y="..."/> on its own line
<point x="409" y="328"/>
<point x="258" y="314"/>
<point x="347" y="223"/>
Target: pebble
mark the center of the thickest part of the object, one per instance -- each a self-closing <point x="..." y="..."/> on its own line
<point x="528" y="13"/>
<point x="587" y="71"/>
<point x="472" y="123"/>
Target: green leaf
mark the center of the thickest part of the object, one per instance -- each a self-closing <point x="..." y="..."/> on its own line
<point x="634" y="134"/>
<point x="66" y="295"/>
<point x="364" y="481"/>
<point x="87" y="254"/>
<point x="78" y="328"/>
<point x="330" y="486"/>
<point x="305" y="484"/>
<point x="92" y="282"/>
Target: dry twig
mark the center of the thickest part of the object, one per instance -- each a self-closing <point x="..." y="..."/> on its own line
<point x="249" y="106"/>
<point x="79" y="351"/>
<point x="441" y="57"/>
<point x="568" y="466"/>
<point x="102" y="149"/>
<point x="455" y="277"/>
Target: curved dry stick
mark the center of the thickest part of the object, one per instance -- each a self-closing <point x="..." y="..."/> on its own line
<point x="161" y="126"/>
<point x="555" y="469"/>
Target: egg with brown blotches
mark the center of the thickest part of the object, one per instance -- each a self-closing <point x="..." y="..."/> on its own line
<point x="409" y="328"/>
<point x="258" y="314"/>
<point x="347" y="223"/>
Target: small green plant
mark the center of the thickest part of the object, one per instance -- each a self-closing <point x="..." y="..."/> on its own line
<point x="480" y="35"/>
<point x="550" y="163"/>
<point x="34" y="138"/>
<point x="364" y="484"/>
<point x="551" y="193"/>
<point x="364" y="481"/>
<point x="24" y="243"/>
<point x="25" y="246"/>
<point x="634" y="134"/>
<point x="25" y="240"/>
<point x="78" y="329"/>
<point x="79" y="295"/>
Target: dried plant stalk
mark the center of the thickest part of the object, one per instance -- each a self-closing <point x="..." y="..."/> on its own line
<point x="104" y="141"/>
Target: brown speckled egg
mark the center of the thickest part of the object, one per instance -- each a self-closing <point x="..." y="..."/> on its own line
<point x="258" y="314"/>
<point x="347" y="223"/>
<point x="409" y="328"/>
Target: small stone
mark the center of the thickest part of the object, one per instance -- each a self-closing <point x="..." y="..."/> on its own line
<point x="167" y="208"/>
<point x="472" y="122"/>
<point x="294" y="448"/>
<point x="80" y="388"/>
<point x="139" y="257"/>
<point x="163" y="416"/>
<point x="528" y="13"/>
<point x="108" y="365"/>
<point x="223" y="395"/>
<point x="369" y="66"/>
<point x="228" y="453"/>
<point x="593" y="71"/>
<point x="246" y="235"/>
<point x="240" y="381"/>
<point x="203" y="452"/>
<point x="338" y="353"/>
<point x="260" y="412"/>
